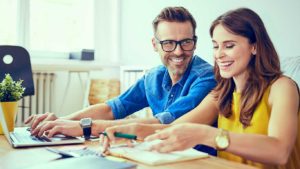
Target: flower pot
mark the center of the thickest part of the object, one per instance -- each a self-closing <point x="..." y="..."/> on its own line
<point x="9" y="112"/>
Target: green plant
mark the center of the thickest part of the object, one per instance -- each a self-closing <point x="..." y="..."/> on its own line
<point x="10" y="90"/>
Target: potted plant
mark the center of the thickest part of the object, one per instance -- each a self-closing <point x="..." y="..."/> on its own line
<point x="10" y="93"/>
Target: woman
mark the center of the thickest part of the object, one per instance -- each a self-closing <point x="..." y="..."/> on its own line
<point x="257" y="107"/>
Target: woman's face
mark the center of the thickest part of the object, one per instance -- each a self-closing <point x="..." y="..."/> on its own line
<point x="232" y="53"/>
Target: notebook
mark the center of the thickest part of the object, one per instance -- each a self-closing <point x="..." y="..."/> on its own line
<point x="86" y="162"/>
<point x="21" y="137"/>
<point x="140" y="153"/>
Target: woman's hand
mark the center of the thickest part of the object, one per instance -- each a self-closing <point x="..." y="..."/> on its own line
<point x="179" y="137"/>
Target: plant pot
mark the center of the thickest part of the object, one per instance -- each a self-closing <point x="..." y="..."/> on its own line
<point x="9" y="112"/>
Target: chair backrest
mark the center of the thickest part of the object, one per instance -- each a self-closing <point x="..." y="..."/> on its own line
<point x="15" y="60"/>
<point x="291" y="68"/>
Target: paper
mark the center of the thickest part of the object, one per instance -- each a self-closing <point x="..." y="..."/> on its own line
<point x="140" y="153"/>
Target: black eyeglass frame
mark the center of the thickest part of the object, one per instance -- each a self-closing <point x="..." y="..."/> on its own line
<point x="194" y="39"/>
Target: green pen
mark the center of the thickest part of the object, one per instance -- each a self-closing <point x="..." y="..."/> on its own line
<point x="122" y="135"/>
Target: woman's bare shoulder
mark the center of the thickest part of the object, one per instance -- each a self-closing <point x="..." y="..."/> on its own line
<point x="284" y="87"/>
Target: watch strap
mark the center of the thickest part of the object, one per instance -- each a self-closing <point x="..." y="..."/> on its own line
<point x="87" y="131"/>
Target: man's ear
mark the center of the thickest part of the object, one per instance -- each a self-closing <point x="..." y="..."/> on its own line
<point x="154" y="44"/>
<point x="253" y="51"/>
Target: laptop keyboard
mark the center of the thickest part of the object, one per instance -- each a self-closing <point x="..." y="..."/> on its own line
<point x="27" y="138"/>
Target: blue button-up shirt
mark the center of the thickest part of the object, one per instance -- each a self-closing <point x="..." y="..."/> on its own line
<point x="167" y="102"/>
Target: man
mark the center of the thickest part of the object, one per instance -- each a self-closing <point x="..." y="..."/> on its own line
<point x="170" y="90"/>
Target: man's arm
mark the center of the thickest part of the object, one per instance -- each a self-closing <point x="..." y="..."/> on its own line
<point x="101" y="125"/>
<point x="97" y="111"/>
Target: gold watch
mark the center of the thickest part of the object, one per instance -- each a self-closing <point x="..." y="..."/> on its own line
<point x="222" y="140"/>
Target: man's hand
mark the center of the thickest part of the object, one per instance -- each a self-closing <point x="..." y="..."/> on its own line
<point x="59" y="126"/>
<point x="35" y="120"/>
<point x="138" y="129"/>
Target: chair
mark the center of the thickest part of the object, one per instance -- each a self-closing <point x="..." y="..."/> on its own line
<point x="15" y="60"/>
<point x="291" y="68"/>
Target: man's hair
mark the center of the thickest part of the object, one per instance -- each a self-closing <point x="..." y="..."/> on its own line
<point x="263" y="68"/>
<point x="174" y="14"/>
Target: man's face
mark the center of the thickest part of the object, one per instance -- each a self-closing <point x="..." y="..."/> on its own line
<point x="178" y="60"/>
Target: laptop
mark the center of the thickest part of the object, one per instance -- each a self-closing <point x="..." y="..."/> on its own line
<point x="21" y="137"/>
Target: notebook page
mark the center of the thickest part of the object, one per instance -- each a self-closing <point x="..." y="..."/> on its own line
<point x="140" y="152"/>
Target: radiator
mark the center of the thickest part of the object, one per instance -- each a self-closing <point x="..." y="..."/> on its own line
<point x="39" y="103"/>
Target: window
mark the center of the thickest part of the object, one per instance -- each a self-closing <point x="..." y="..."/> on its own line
<point x="48" y="28"/>
<point x="8" y="18"/>
<point x="61" y="25"/>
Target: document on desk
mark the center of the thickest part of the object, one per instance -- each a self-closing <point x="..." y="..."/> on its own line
<point x="140" y="153"/>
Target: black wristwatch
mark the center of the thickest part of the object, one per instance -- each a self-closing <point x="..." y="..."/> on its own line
<point x="86" y="125"/>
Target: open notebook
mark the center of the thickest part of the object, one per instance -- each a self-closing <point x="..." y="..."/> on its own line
<point x="141" y="154"/>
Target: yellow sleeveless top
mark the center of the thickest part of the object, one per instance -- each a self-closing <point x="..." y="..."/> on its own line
<point x="259" y="125"/>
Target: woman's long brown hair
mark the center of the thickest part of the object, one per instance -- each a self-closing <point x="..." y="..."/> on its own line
<point x="263" y="68"/>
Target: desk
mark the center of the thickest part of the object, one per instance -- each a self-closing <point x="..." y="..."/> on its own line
<point x="21" y="158"/>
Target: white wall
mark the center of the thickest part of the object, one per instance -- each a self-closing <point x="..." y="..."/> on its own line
<point x="135" y="25"/>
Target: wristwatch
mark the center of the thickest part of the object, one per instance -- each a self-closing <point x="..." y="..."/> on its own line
<point x="222" y="140"/>
<point x="86" y="125"/>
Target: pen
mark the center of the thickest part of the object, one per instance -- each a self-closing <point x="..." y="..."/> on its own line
<point x="122" y="135"/>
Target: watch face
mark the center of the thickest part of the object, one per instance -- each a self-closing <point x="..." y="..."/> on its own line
<point x="86" y="121"/>
<point x="222" y="142"/>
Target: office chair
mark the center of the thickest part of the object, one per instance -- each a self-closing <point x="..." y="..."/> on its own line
<point x="15" y="60"/>
<point x="291" y="67"/>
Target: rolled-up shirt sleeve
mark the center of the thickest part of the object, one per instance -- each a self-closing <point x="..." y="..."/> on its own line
<point x="165" y="117"/>
<point x="117" y="107"/>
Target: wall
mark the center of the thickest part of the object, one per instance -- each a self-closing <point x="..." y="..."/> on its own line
<point x="124" y="32"/>
<point x="136" y="17"/>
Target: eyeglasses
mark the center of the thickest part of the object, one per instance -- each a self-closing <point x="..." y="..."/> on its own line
<point x="185" y="44"/>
